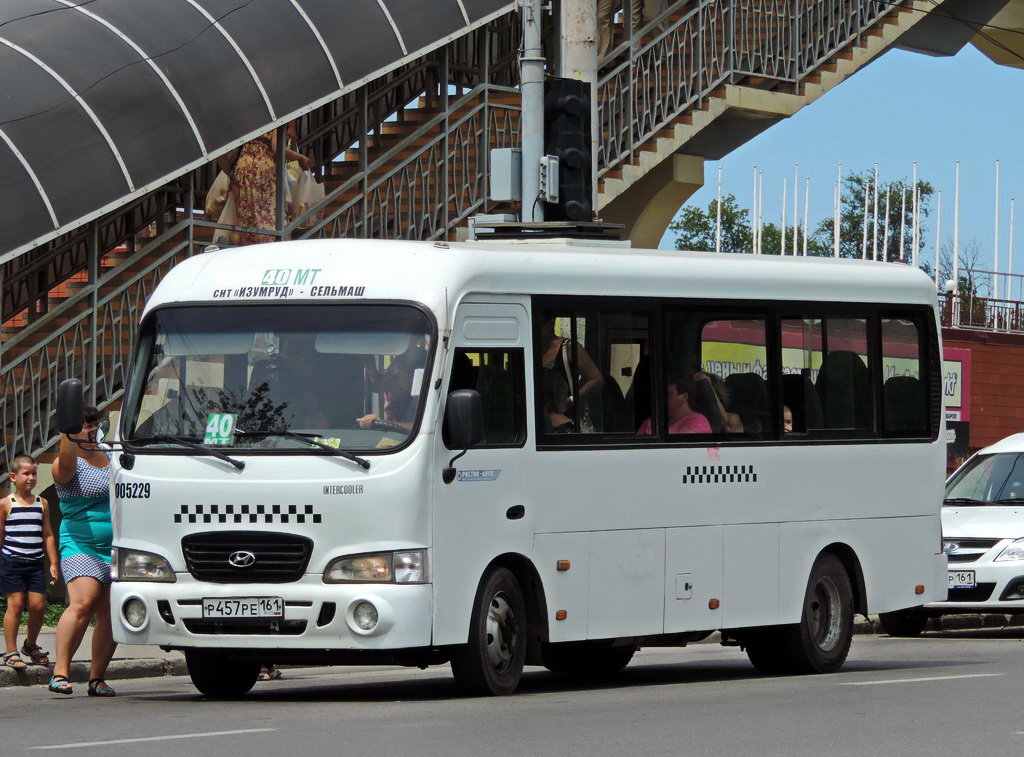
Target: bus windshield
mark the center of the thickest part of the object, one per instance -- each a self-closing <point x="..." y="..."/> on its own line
<point x="279" y="377"/>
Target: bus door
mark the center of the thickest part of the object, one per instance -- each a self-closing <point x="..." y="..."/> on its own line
<point x="486" y="509"/>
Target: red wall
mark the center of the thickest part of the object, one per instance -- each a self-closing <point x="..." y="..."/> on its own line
<point x="996" y="385"/>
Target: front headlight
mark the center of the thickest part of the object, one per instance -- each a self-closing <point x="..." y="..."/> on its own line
<point x="388" y="567"/>
<point x="1014" y="551"/>
<point x="133" y="565"/>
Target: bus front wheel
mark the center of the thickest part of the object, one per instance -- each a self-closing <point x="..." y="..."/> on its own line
<point x="220" y="675"/>
<point x="491" y="663"/>
<point x="820" y="642"/>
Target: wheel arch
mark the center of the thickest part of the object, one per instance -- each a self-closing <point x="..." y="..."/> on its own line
<point x="848" y="557"/>
<point x="533" y="591"/>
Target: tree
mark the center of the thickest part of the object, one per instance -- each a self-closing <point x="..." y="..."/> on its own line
<point x="852" y="221"/>
<point x="696" y="228"/>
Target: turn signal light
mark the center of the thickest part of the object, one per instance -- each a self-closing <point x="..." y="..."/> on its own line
<point x="919" y="589"/>
<point x="713" y="604"/>
<point x="561" y="615"/>
<point x="562" y="565"/>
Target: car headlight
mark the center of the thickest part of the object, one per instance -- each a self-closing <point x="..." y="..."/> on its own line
<point x="387" y="567"/>
<point x="1013" y="551"/>
<point x="133" y="565"/>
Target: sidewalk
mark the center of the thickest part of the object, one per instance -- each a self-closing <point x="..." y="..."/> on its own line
<point x="143" y="661"/>
<point x="130" y="661"/>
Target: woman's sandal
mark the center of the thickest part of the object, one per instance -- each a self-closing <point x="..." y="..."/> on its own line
<point x="98" y="688"/>
<point x="270" y="673"/>
<point x="37" y="653"/>
<point x="60" y="685"/>
<point x="13" y="660"/>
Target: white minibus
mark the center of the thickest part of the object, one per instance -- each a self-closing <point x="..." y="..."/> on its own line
<point x="498" y="454"/>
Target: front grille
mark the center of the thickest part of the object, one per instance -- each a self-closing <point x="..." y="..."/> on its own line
<point x="969" y="550"/>
<point x="246" y="627"/>
<point x="979" y="593"/>
<point x="279" y="558"/>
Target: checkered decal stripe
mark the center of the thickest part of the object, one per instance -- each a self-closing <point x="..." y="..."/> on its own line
<point x="719" y="474"/>
<point x="247" y="514"/>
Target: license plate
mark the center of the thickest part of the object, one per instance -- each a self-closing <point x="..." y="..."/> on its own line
<point x="961" y="579"/>
<point x="243" y="607"/>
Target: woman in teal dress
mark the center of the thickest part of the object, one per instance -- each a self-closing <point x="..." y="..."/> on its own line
<point x="81" y="473"/>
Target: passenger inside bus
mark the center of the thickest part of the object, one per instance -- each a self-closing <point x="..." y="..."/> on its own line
<point x="682" y="419"/>
<point x="556" y="404"/>
<point x="573" y="362"/>
<point x="398" y="384"/>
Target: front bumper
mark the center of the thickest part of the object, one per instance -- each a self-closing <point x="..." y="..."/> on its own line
<point x="999" y="589"/>
<point x="316" y="615"/>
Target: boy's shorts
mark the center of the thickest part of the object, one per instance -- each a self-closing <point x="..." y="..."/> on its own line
<point x="18" y="574"/>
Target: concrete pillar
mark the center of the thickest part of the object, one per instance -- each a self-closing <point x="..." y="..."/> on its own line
<point x="577" y="59"/>
<point x="653" y="201"/>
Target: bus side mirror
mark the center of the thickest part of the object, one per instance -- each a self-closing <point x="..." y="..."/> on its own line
<point x="464" y="418"/>
<point x="70" y="406"/>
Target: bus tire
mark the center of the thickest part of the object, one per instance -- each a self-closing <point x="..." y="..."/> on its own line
<point x="491" y="663"/>
<point x="583" y="659"/>
<point x="220" y="675"/>
<point x="820" y="642"/>
<point x="903" y="623"/>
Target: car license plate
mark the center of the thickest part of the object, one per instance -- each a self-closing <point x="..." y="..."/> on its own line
<point x="961" y="579"/>
<point x="243" y="607"/>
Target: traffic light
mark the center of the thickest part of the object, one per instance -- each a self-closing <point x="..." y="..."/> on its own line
<point x="567" y="136"/>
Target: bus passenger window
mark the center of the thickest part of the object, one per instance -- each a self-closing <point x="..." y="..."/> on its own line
<point x="727" y="357"/>
<point x="904" y="399"/>
<point x="498" y="376"/>
<point x="590" y="377"/>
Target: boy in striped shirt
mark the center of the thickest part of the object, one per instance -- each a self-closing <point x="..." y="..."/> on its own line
<point x="25" y="537"/>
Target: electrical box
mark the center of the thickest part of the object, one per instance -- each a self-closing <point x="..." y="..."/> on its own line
<point x="506" y="175"/>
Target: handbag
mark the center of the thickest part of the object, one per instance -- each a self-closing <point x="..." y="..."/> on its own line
<point x="218" y="195"/>
<point x="307" y="194"/>
<point x="228" y="217"/>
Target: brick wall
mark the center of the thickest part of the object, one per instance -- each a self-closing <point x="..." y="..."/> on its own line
<point x="997" y="382"/>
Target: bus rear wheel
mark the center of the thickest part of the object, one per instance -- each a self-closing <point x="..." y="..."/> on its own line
<point x="491" y="663"/>
<point x="820" y="642"/>
<point x="586" y="659"/>
<point x="219" y="674"/>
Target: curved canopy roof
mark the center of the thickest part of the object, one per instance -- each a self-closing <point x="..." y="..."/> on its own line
<point x="104" y="100"/>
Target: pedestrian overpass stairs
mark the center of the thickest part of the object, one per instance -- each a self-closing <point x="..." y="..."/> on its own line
<point x="404" y="156"/>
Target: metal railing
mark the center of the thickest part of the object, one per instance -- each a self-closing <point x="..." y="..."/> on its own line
<point x="978" y="307"/>
<point x="693" y="48"/>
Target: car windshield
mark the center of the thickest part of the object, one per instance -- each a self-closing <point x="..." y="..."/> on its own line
<point x="989" y="479"/>
<point x="280" y="376"/>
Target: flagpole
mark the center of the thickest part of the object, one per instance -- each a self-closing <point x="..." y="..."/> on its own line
<point x="903" y="220"/>
<point x="938" y="237"/>
<point x="864" y="231"/>
<point x="796" y="204"/>
<point x="995" y="251"/>
<point x="807" y="204"/>
<point x="718" y="214"/>
<point x="782" y="237"/>
<point x="914" y="238"/>
<point x="956" y="247"/>
<point x="885" y="234"/>
<point x="839" y="202"/>
<point x="874" y="221"/>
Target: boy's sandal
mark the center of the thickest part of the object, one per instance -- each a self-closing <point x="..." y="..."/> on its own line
<point x="270" y="673"/>
<point x="13" y="660"/>
<point x="60" y="685"/>
<point x="98" y="688"/>
<point x="37" y="653"/>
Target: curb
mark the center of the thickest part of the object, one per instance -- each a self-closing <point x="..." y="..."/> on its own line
<point x="117" y="670"/>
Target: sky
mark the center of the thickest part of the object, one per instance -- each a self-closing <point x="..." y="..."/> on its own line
<point x="903" y="107"/>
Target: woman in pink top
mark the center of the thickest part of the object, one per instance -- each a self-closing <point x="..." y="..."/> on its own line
<point x="682" y="419"/>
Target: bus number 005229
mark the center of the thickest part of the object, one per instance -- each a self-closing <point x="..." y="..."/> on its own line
<point x="131" y="491"/>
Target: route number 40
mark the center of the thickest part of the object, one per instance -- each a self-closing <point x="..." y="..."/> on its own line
<point x="220" y="428"/>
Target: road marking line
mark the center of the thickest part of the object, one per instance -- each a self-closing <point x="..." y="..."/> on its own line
<point x="918" y="680"/>
<point x="154" y="738"/>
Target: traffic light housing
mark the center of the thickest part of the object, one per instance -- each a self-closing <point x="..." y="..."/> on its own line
<point x="567" y="136"/>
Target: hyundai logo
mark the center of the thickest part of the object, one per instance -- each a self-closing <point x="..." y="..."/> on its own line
<point x="241" y="559"/>
<point x="950" y="546"/>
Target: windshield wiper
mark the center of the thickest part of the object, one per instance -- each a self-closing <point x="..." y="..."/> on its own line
<point x="362" y="462"/>
<point x="964" y="501"/>
<point x="187" y="442"/>
<point x="1009" y="501"/>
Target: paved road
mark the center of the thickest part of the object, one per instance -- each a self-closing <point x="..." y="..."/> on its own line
<point x="945" y="693"/>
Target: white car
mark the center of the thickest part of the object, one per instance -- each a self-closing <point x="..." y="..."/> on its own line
<point x="983" y="538"/>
